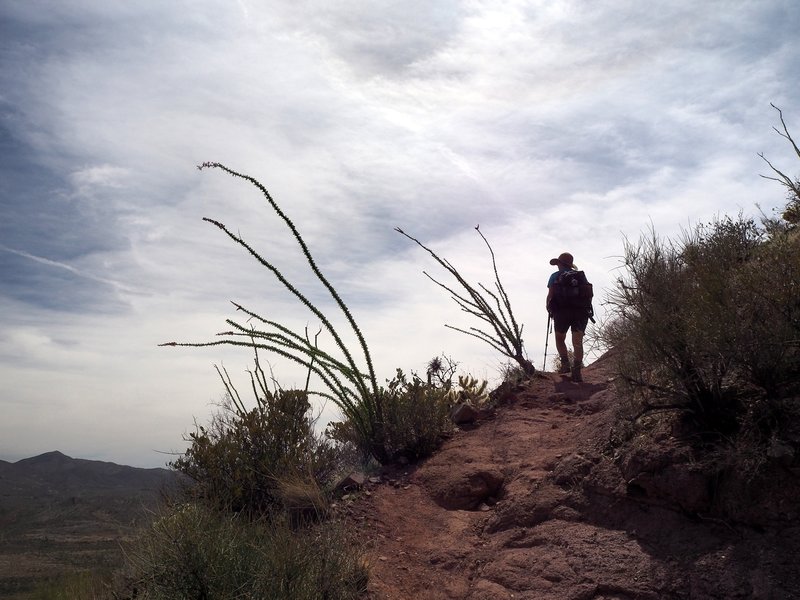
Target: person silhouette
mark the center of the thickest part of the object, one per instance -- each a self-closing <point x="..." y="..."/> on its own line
<point x="566" y="316"/>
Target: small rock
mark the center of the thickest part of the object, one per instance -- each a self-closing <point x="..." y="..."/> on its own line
<point x="353" y="480"/>
<point x="463" y="413"/>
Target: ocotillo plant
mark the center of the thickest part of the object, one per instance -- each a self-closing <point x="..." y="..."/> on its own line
<point x="506" y="336"/>
<point x="791" y="213"/>
<point x="353" y="390"/>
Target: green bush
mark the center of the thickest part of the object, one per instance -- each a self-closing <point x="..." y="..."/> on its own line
<point x="250" y="460"/>
<point x="709" y="325"/>
<point x="766" y="292"/>
<point x="196" y="552"/>
<point x="416" y="414"/>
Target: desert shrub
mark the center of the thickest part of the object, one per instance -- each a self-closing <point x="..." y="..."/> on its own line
<point x="766" y="292"/>
<point x="555" y="362"/>
<point x="197" y="552"/>
<point x="416" y="415"/>
<point x="705" y="331"/>
<point x="512" y="374"/>
<point x="708" y="325"/>
<point x="258" y="459"/>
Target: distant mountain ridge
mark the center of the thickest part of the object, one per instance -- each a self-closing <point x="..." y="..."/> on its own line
<point x="60" y="514"/>
<point x="55" y="473"/>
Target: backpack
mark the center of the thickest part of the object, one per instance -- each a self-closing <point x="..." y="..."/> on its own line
<point x="572" y="290"/>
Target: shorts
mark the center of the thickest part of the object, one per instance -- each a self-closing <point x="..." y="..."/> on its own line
<point x="575" y="318"/>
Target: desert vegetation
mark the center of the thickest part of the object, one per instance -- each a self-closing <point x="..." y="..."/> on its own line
<point x="256" y="519"/>
<point x="375" y="417"/>
<point x="195" y="551"/>
<point x="706" y="332"/>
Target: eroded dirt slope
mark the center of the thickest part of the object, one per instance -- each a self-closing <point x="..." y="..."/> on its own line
<point x="529" y="504"/>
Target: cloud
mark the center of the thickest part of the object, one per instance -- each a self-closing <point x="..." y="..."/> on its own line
<point x="554" y="125"/>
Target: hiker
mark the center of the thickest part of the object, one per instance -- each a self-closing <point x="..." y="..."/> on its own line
<point x="569" y="298"/>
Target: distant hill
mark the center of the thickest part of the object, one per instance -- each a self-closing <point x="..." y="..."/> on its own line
<point x="60" y="514"/>
<point x="55" y="474"/>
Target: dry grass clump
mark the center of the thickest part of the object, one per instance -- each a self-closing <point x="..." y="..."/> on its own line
<point x="195" y="551"/>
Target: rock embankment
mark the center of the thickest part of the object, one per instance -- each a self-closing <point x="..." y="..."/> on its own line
<point x="530" y="503"/>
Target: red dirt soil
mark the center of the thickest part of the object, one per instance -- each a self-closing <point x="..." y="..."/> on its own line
<point x="530" y="503"/>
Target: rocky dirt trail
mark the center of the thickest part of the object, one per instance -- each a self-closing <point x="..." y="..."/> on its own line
<point x="526" y="504"/>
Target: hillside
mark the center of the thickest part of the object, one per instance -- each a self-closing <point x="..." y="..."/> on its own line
<point x="531" y="503"/>
<point x="59" y="514"/>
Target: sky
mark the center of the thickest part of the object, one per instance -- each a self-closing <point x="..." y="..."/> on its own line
<point x="553" y="125"/>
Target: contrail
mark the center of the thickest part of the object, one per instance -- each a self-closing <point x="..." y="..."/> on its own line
<point x="66" y="267"/>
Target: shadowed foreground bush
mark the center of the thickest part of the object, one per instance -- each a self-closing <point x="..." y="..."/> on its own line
<point x="196" y="552"/>
<point x="415" y="420"/>
<point x="416" y="415"/>
<point x="710" y="326"/>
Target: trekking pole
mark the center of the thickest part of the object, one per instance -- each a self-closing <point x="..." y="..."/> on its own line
<point x="546" y="340"/>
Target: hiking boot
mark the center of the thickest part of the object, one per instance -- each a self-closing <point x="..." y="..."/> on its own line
<point x="576" y="373"/>
<point x="564" y="365"/>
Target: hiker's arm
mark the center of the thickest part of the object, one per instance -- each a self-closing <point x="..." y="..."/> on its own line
<point x="549" y="297"/>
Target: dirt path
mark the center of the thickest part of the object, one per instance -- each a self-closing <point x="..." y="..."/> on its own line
<point x="504" y="511"/>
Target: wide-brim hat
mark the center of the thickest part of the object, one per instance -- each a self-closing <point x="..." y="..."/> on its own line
<point x="565" y="259"/>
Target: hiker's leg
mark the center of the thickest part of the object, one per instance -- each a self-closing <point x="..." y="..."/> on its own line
<point x="560" y="326"/>
<point x="561" y="343"/>
<point x="577" y="346"/>
<point x="577" y="353"/>
<point x="561" y="346"/>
